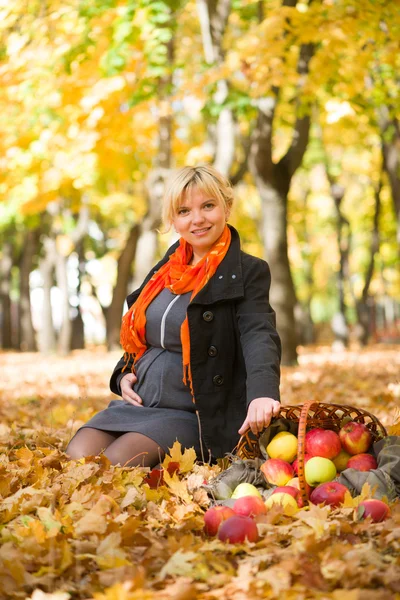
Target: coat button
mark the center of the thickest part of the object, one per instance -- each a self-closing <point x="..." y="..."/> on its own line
<point x="218" y="380"/>
<point x="208" y="315"/>
<point x="212" y="351"/>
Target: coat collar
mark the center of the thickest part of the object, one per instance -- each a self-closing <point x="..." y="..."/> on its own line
<point x="226" y="283"/>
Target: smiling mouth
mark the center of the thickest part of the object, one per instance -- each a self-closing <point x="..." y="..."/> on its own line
<point x="197" y="231"/>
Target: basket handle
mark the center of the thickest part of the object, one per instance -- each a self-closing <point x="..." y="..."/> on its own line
<point x="301" y="443"/>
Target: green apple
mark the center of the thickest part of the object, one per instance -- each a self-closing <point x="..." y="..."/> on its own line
<point x="245" y="489"/>
<point x="319" y="470"/>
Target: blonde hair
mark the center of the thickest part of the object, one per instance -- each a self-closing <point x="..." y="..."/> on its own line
<point x="203" y="177"/>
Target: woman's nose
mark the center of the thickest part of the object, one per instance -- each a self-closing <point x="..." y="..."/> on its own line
<point x="198" y="217"/>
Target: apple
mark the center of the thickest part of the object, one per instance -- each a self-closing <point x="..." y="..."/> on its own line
<point x="277" y="471"/>
<point x="340" y="461"/>
<point x="283" y="445"/>
<point x="245" y="489"/>
<point x="355" y="437"/>
<point x="295" y="482"/>
<point x="249" y="506"/>
<point x="287" y="489"/>
<point x="289" y="504"/>
<point x="214" y="516"/>
<point x="362" y="462"/>
<point x="376" y="509"/>
<point x="331" y="493"/>
<point x="295" y="464"/>
<point x="318" y="470"/>
<point x="322" y="442"/>
<point x="237" y="529"/>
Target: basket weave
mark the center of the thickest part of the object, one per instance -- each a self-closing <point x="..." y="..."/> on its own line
<point x="310" y="415"/>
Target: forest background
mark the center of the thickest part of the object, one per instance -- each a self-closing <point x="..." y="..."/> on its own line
<point x="296" y="102"/>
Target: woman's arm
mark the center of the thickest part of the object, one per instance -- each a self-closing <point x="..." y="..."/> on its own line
<point x="261" y="346"/>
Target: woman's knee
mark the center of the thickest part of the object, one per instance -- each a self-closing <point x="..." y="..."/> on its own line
<point x="88" y="442"/>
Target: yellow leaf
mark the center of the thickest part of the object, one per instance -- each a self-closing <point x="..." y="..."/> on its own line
<point x="185" y="460"/>
<point x="177" y="487"/>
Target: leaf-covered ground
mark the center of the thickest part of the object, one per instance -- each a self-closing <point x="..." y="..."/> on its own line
<point x="86" y="530"/>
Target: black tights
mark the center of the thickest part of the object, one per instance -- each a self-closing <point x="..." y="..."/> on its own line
<point x="126" y="449"/>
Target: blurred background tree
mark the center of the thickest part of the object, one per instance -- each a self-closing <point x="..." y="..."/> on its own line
<point x="296" y="101"/>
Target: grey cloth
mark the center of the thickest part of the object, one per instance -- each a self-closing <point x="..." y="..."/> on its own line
<point x="168" y="412"/>
<point x="385" y="480"/>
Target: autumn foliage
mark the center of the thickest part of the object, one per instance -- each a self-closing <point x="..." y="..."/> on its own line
<point x="88" y="530"/>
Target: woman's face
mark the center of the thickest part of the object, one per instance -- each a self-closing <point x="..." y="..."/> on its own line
<point x="200" y="220"/>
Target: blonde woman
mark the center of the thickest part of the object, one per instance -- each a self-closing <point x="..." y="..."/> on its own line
<point x="202" y="355"/>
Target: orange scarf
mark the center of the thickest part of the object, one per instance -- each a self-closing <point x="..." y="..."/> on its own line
<point x="179" y="277"/>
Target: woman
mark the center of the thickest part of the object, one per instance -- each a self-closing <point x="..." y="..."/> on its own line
<point x="202" y="354"/>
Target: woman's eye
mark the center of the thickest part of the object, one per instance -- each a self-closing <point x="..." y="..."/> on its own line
<point x="182" y="211"/>
<point x="210" y="205"/>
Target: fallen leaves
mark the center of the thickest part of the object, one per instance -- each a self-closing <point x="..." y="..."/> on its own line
<point x="85" y="530"/>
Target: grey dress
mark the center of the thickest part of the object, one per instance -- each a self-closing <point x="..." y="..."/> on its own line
<point x="168" y="413"/>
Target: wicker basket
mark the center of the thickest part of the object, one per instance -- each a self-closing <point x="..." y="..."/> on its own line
<point x="309" y="415"/>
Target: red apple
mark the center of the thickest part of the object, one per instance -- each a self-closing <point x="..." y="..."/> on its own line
<point x="296" y="483"/>
<point x="331" y="493"/>
<point x="237" y="529"/>
<point x="362" y="462"/>
<point x="249" y="506"/>
<point x="355" y="437"/>
<point x="277" y="471"/>
<point x="376" y="509"/>
<point x="214" y="516"/>
<point x="287" y="489"/>
<point x="295" y="463"/>
<point x="322" y="442"/>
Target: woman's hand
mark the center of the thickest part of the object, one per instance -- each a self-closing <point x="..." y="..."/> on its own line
<point x="127" y="393"/>
<point x="259" y="414"/>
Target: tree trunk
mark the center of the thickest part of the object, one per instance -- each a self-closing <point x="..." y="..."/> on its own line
<point x="147" y="243"/>
<point x="78" y="330"/>
<point x="273" y="184"/>
<point x="390" y="133"/>
<point x="364" y="305"/>
<point x="29" y="251"/>
<point x="65" y="334"/>
<point x="47" y="334"/>
<point x="5" y="298"/>
<point x="213" y="17"/>
<point x="124" y="271"/>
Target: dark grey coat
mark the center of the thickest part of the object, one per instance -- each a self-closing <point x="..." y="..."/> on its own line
<point x="235" y="349"/>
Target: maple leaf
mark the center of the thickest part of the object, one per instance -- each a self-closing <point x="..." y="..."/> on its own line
<point x="185" y="460"/>
<point x="180" y="563"/>
<point x="177" y="487"/>
<point x="315" y="517"/>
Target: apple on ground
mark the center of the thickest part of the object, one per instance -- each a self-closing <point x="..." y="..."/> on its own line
<point x="289" y="504"/>
<point x="214" y="516"/>
<point x="245" y="489"/>
<point x="319" y="470"/>
<point x="295" y="463"/>
<point x="340" y="461"/>
<point x="237" y="529"/>
<point x="355" y="437"/>
<point x="277" y="471"/>
<point x="362" y="462"/>
<point x="249" y="506"/>
<point x="331" y="493"/>
<point x="295" y="482"/>
<point x="322" y="442"/>
<point x="283" y="445"/>
<point x="376" y="509"/>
